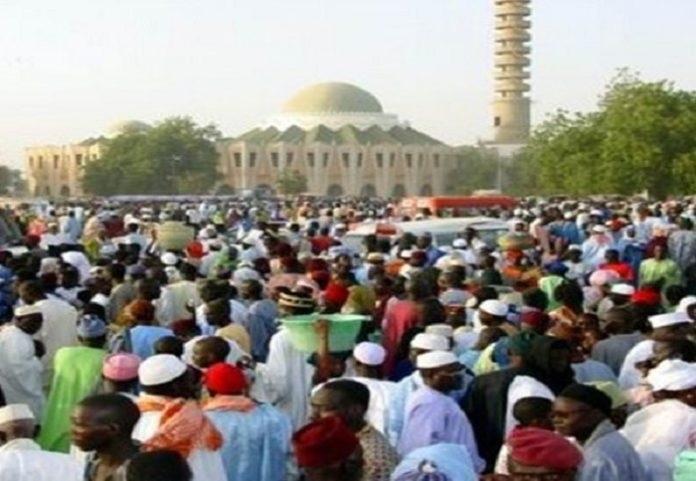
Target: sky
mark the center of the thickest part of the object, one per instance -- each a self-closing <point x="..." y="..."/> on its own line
<point x="70" y="69"/>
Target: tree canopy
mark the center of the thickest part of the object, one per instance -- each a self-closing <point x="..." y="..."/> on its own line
<point x="176" y="156"/>
<point x="11" y="182"/>
<point x="475" y="169"/>
<point x="642" y="137"/>
<point x="291" y="182"/>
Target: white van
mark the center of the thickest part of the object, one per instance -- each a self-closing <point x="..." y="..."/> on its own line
<point x="444" y="231"/>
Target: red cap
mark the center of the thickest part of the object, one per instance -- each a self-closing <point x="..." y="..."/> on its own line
<point x="316" y="264"/>
<point x="223" y="378"/>
<point x="336" y="294"/>
<point x="195" y="250"/>
<point x="646" y="297"/>
<point x="541" y="448"/>
<point x="324" y="443"/>
<point x="536" y="319"/>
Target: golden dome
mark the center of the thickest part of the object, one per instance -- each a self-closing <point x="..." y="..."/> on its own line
<point x="332" y="97"/>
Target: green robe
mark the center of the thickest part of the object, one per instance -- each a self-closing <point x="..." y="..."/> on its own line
<point x="77" y="374"/>
<point x="665" y="272"/>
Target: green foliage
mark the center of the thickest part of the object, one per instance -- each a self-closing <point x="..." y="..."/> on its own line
<point x="642" y="137"/>
<point x="475" y="169"/>
<point x="176" y="156"/>
<point x="11" y="182"/>
<point x="291" y="182"/>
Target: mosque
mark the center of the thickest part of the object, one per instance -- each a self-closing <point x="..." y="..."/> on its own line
<point x="335" y="134"/>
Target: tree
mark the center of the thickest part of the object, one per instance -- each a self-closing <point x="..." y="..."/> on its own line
<point x="176" y="156"/>
<point x="641" y="137"/>
<point x="475" y="169"/>
<point x="291" y="182"/>
<point x="11" y="182"/>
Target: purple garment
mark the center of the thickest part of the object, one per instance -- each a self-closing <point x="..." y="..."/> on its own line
<point x="434" y="418"/>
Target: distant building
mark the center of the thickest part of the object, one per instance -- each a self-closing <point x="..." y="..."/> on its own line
<point x="56" y="170"/>
<point x="339" y="137"/>
<point x="335" y="134"/>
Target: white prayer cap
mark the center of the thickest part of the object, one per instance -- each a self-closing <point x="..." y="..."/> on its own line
<point x="685" y="303"/>
<point x="168" y="259"/>
<point x="465" y="337"/>
<point x="369" y="353"/>
<point x="160" y="369"/>
<point x="459" y="244"/>
<point x="599" y="229"/>
<point x="568" y="215"/>
<point x="340" y="226"/>
<point x="574" y="247"/>
<point x="28" y="310"/>
<point x="435" y="359"/>
<point x="494" y="307"/>
<point x="406" y="254"/>
<point x="444" y="330"/>
<point x="430" y="342"/>
<point x="15" y="412"/>
<point x="100" y="299"/>
<point x="596" y="212"/>
<point x="672" y="375"/>
<point x="623" y="289"/>
<point x="669" y="319"/>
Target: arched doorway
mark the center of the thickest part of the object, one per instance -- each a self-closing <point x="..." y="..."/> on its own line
<point x="334" y="190"/>
<point x="427" y="189"/>
<point x="368" y="190"/>
<point x="399" y="191"/>
<point x="65" y="191"/>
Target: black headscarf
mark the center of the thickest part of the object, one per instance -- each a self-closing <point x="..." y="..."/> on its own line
<point x="538" y="365"/>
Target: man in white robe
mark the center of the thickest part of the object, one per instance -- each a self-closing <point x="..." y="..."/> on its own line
<point x="660" y="431"/>
<point x="59" y="327"/>
<point x="21" y="458"/>
<point x="167" y="385"/>
<point x="20" y="368"/>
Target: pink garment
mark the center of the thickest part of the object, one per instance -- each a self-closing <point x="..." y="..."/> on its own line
<point x="400" y="316"/>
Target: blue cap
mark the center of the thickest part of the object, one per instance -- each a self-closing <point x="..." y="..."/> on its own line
<point x="91" y="326"/>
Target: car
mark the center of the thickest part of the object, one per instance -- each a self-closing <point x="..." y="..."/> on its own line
<point x="444" y="231"/>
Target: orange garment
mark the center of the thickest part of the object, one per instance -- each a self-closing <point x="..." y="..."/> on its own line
<point x="183" y="427"/>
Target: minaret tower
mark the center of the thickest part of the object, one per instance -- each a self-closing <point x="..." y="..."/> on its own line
<point x="511" y="104"/>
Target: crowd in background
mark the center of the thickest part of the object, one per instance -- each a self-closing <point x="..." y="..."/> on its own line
<point x="566" y="351"/>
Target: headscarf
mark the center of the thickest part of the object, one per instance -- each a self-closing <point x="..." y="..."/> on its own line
<point x="537" y="364"/>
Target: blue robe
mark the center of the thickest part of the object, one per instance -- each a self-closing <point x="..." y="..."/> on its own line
<point x="256" y="443"/>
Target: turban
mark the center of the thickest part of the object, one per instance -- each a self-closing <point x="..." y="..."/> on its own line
<point x="121" y="367"/>
<point x="223" y="378"/>
<point x="336" y="294"/>
<point x="91" y="327"/>
<point x="646" y="297"/>
<point x="588" y="395"/>
<point x="541" y="448"/>
<point x="325" y="442"/>
<point x="426" y="471"/>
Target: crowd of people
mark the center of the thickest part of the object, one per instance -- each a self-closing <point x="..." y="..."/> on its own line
<point x="566" y="351"/>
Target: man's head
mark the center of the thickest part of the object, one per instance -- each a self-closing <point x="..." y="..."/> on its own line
<point x="620" y="294"/>
<point x="164" y="375"/>
<point x="670" y="327"/>
<point x="369" y="358"/>
<point x="674" y="379"/>
<point x="226" y="380"/>
<point x="169" y="345"/>
<point x="328" y="450"/>
<point x="533" y="412"/>
<point x="493" y="312"/>
<point x="218" y="312"/>
<point x="611" y="256"/>
<point x="424" y="241"/>
<point x="251" y="290"/>
<point x="31" y="292"/>
<point x="158" y="466"/>
<point x="579" y="409"/>
<point x="344" y="398"/>
<point x="100" y="421"/>
<point x="91" y="331"/>
<point x="210" y="350"/>
<point x="539" y="455"/>
<point x="16" y="422"/>
<point x="423" y="342"/>
<point x="28" y="319"/>
<point x="441" y="370"/>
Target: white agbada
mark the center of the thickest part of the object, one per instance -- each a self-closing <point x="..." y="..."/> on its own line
<point x="381" y="393"/>
<point x="286" y="378"/>
<point x="629" y="376"/>
<point x="20" y="370"/>
<point x="660" y="432"/>
<point x="205" y="465"/>
<point x="174" y="300"/>
<point x="59" y="329"/>
<point x="522" y="387"/>
<point x="23" y="460"/>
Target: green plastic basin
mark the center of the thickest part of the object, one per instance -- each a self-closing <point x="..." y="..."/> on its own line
<point x="343" y="329"/>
